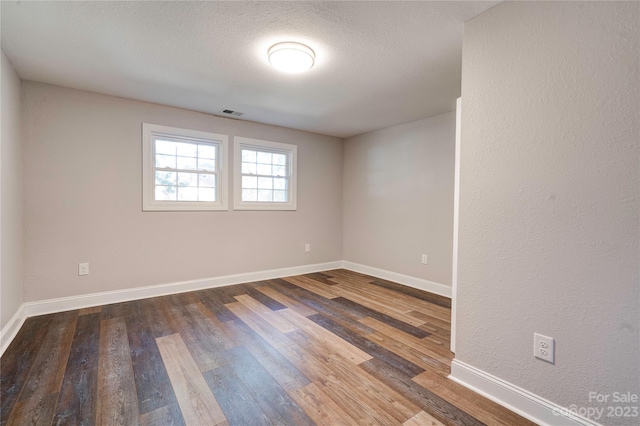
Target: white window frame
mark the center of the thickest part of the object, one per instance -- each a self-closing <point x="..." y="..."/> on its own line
<point x="149" y="203"/>
<point x="292" y="173"/>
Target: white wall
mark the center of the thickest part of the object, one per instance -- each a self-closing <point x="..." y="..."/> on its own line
<point x="549" y="202"/>
<point x="398" y="198"/>
<point x="84" y="202"/>
<point x="11" y="210"/>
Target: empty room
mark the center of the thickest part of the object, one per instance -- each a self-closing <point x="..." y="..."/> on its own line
<point x="320" y="213"/>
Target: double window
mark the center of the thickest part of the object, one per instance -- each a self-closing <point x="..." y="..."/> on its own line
<point x="187" y="170"/>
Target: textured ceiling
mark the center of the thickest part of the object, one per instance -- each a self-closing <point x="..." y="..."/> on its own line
<point x="377" y="63"/>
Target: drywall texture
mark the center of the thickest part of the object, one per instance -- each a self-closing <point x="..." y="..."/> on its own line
<point x="549" y="229"/>
<point x="84" y="203"/>
<point x="398" y="198"/>
<point x="10" y="194"/>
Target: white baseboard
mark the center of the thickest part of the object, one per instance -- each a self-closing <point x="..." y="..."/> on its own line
<point x="516" y="399"/>
<point x="10" y="330"/>
<point x="96" y="299"/>
<point x="419" y="283"/>
<point x="42" y="307"/>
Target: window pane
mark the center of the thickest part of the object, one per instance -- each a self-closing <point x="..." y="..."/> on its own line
<point x="264" y="157"/>
<point x="165" y="178"/>
<point x="265" y="175"/>
<point x="206" y="194"/>
<point x="182" y="169"/>
<point x="279" y="171"/>
<point x="279" y="183"/>
<point x="265" y="183"/>
<point x="280" y="196"/>
<point x="165" y="193"/>
<point x="264" y="169"/>
<point x="249" y="195"/>
<point x="265" y="195"/>
<point x="187" y="193"/>
<point x="187" y="149"/>
<point x="249" y="156"/>
<point x="249" y="182"/>
<point x="186" y="163"/>
<point x="166" y="161"/>
<point x="279" y="159"/>
<point x="206" y="164"/>
<point x="187" y="179"/>
<point x="206" y="151"/>
<point x="165" y="147"/>
<point x="248" y="169"/>
<point x="208" y="181"/>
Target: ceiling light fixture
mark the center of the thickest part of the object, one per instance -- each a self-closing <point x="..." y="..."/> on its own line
<point x="291" y="57"/>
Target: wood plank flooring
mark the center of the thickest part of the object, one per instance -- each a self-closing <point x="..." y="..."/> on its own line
<point x="332" y="348"/>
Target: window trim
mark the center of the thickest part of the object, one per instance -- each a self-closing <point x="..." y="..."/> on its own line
<point x="291" y="151"/>
<point x="148" y="170"/>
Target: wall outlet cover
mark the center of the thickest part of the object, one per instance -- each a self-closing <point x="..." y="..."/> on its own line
<point x="544" y="348"/>
<point x="83" y="269"/>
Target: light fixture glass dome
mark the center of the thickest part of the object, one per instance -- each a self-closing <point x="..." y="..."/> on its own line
<point x="291" y="57"/>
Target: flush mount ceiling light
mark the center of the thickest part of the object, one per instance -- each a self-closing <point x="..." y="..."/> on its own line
<point x="291" y="57"/>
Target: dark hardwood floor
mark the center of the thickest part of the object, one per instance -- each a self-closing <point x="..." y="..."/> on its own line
<point x="332" y="348"/>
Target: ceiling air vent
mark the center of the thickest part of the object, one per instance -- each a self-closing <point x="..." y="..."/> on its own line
<point x="231" y="112"/>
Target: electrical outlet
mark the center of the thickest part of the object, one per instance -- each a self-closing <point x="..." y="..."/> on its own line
<point x="544" y="348"/>
<point x="83" y="269"/>
<point x="425" y="259"/>
<point x="307" y="248"/>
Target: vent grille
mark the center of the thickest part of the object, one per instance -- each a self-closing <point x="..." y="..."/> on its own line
<point x="232" y="112"/>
